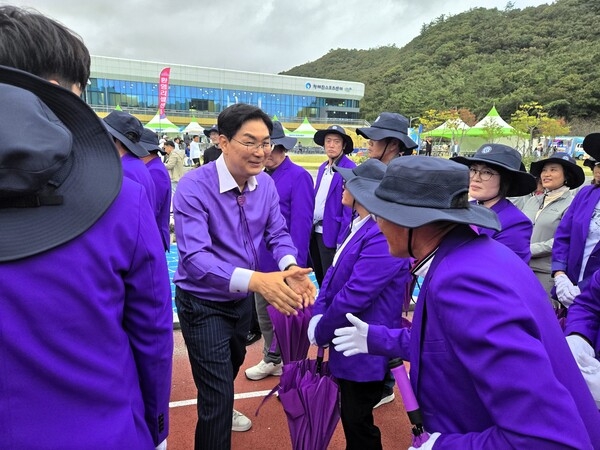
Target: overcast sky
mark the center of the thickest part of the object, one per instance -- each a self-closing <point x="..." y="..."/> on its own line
<point x="254" y="35"/>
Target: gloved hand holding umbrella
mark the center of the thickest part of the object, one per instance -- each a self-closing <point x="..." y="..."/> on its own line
<point x="353" y="340"/>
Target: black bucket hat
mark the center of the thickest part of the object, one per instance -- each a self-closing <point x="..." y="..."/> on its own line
<point x="59" y="168"/>
<point x="127" y="129"/>
<point x="278" y="137"/>
<point x="149" y="141"/>
<point x="417" y="190"/>
<point x="319" y="138"/>
<point x="370" y="168"/>
<point x="575" y="177"/>
<point x="389" y="125"/>
<point x="591" y="145"/>
<point x="505" y="158"/>
<point x="207" y="131"/>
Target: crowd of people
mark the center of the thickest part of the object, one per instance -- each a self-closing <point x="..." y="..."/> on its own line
<point x="88" y="364"/>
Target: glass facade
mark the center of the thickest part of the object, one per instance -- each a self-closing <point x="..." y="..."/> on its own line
<point x="127" y="84"/>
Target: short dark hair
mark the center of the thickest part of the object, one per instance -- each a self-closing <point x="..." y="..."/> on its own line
<point x="233" y="117"/>
<point x="34" y="43"/>
<point x="170" y="143"/>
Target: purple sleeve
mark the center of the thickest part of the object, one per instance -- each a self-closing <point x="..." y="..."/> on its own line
<point x="301" y="218"/>
<point x="562" y="239"/>
<point x="584" y="313"/>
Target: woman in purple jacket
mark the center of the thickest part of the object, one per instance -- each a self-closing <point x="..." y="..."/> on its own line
<point x="496" y="173"/>
<point x="368" y="282"/>
<point x="576" y="250"/>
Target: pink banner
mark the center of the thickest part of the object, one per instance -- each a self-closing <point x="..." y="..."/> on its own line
<point x="163" y="90"/>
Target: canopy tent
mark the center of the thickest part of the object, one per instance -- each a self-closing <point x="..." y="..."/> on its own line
<point x="450" y="129"/>
<point x="304" y="133"/>
<point x="305" y="130"/>
<point x="160" y="124"/>
<point x="491" y="126"/>
<point x="193" y="128"/>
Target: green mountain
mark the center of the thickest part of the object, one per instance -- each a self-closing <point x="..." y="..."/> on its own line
<point x="483" y="57"/>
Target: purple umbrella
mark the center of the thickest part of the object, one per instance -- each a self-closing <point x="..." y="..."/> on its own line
<point x="420" y="436"/>
<point x="309" y="395"/>
<point x="290" y="334"/>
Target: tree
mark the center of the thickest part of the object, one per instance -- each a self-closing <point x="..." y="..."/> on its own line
<point x="553" y="127"/>
<point x="527" y="119"/>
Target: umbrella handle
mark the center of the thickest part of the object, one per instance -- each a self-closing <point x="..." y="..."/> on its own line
<point x="320" y="356"/>
<point x="408" y="396"/>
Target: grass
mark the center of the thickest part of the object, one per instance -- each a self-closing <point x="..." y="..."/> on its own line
<point x="313" y="161"/>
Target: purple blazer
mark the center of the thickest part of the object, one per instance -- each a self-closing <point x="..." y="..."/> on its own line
<point x="162" y="185"/>
<point x="584" y="313"/>
<point x="135" y="169"/>
<point x="297" y="203"/>
<point x="570" y="236"/>
<point x="516" y="229"/>
<point x="369" y="283"/>
<point x="336" y="217"/>
<point x="489" y="363"/>
<point x="87" y="337"/>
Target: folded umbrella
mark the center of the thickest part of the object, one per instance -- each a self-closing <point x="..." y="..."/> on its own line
<point x="290" y="334"/>
<point x="310" y="399"/>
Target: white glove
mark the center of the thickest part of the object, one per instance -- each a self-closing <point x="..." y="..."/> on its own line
<point x="590" y="369"/>
<point x="579" y="347"/>
<point x="161" y="446"/>
<point x="352" y="340"/>
<point x="312" y="325"/>
<point x="565" y="290"/>
<point x="428" y="445"/>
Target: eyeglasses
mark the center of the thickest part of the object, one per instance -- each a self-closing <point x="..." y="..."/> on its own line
<point x="265" y="146"/>
<point x="484" y="174"/>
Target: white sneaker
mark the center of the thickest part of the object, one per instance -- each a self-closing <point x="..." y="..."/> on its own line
<point x="240" y="422"/>
<point x="263" y="370"/>
<point x="385" y="399"/>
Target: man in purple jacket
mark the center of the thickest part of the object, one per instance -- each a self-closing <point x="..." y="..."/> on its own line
<point x="331" y="219"/>
<point x="295" y="188"/>
<point x="162" y="184"/>
<point x="223" y="211"/>
<point x="85" y="309"/>
<point x="490" y="366"/>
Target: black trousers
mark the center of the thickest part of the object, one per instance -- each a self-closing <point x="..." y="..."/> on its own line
<point x="321" y="255"/>
<point x="215" y="336"/>
<point x="357" y="402"/>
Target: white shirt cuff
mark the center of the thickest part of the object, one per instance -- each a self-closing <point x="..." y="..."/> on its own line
<point x="286" y="261"/>
<point x="240" y="280"/>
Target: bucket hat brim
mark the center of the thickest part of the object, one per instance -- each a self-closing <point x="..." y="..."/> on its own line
<point x="521" y="182"/>
<point x="576" y="174"/>
<point x="134" y="147"/>
<point x="372" y="169"/>
<point x="207" y="131"/>
<point x="377" y="134"/>
<point x="92" y="185"/>
<point x="364" y="191"/>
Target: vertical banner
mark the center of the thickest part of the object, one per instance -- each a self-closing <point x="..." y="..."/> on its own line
<point x="163" y="90"/>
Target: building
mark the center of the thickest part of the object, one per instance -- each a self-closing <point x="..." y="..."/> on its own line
<point x="201" y="93"/>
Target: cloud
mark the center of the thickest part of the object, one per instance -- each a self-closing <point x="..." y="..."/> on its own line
<point x="255" y="35"/>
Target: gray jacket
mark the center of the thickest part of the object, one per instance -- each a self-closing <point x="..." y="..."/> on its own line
<point x="544" y="227"/>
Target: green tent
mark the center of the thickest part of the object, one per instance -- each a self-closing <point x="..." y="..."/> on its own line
<point x="492" y="124"/>
<point x="450" y="129"/>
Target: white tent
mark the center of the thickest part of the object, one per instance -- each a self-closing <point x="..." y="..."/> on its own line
<point x="492" y="123"/>
<point x="193" y="128"/>
<point x="305" y="130"/>
<point x="160" y="124"/>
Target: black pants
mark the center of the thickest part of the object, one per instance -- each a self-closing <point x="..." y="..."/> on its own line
<point x="357" y="402"/>
<point x="215" y="336"/>
<point x="321" y="255"/>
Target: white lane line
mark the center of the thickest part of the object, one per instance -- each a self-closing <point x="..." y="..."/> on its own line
<point x="235" y="397"/>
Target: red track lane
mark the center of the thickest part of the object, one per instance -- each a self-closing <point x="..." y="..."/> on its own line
<point x="269" y="430"/>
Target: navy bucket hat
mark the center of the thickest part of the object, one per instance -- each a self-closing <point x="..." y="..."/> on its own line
<point x="207" y="131"/>
<point x="417" y="190"/>
<point x="128" y="129"/>
<point x="509" y="160"/>
<point x="278" y="136"/>
<point x="370" y="168"/>
<point x="389" y="125"/>
<point x="56" y="183"/>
